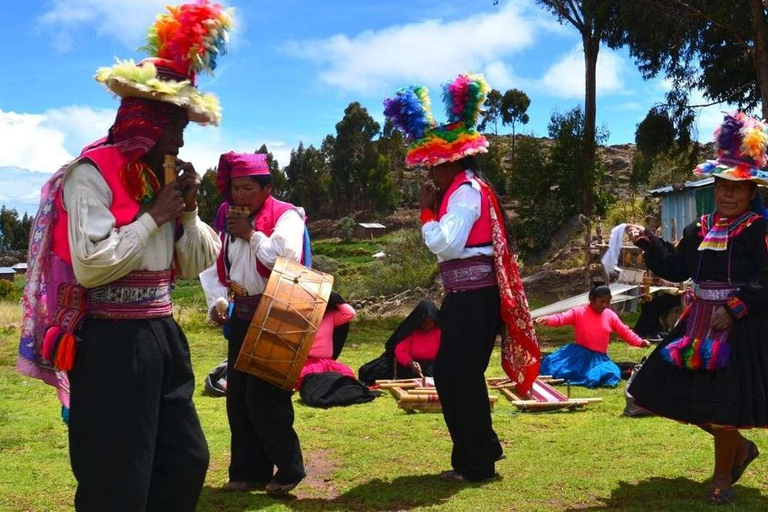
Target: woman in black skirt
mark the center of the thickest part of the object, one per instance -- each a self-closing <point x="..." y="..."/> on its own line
<point x="712" y="369"/>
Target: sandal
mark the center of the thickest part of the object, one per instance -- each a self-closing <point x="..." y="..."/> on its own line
<point x="737" y="471"/>
<point x="718" y="496"/>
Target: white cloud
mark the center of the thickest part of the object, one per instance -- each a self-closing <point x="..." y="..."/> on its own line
<point x="502" y="78"/>
<point x="28" y="142"/>
<point x="565" y="79"/>
<point x="421" y="52"/>
<point x="44" y="142"/>
<point x="125" y="21"/>
<point x="204" y="145"/>
<point x="41" y="143"/>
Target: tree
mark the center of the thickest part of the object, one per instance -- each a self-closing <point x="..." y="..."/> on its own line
<point x="550" y="186"/>
<point x="279" y="182"/>
<point x="492" y="112"/>
<point x="14" y="231"/>
<point x="381" y="190"/>
<point x="393" y="145"/>
<point x="596" y="21"/>
<point x="208" y="197"/>
<point x="717" y="46"/>
<point x="491" y="165"/>
<point x="353" y="156"/>
<point x="307" y="175"/>
<point x="514" y="105"/>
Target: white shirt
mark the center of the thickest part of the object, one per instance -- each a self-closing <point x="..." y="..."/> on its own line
<point x="287" y="240"/>
<point x="102" y="253"/>
<point x="448" y="237"/>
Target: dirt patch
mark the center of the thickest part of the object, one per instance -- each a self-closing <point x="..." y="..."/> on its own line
<point x="319" y="465"/>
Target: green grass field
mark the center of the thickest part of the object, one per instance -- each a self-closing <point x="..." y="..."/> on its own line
<point x="376" y="457"/>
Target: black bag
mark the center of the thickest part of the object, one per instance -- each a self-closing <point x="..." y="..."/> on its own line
<point x="216" y="381"/>
<point x="328" y="389"/>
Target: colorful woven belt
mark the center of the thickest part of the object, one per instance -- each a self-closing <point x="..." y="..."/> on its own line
<point x="467" y="274"/>
<point x="139" y="295"/>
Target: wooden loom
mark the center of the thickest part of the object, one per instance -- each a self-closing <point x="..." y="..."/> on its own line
<point x="543" y="397"/>
<point x="412" y="395"/>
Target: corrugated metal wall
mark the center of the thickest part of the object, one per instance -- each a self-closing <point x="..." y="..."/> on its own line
<point x="684" y="207"/>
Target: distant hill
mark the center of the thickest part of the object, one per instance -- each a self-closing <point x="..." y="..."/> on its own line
<point x="20" y="189"/>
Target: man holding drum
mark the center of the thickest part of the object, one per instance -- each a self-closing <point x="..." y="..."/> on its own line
<point x="464" y="226"/>
<point x="255" y="230"/>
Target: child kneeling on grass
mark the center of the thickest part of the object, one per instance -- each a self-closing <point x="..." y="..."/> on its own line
<point x="585" y="362"/>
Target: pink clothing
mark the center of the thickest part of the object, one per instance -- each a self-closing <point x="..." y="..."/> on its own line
<point x="418" y="346"/>
<point x="322" y="347"/>
<point x="593" y="330"/>
<point x="109" y="160"/>
<point x="320" y="355"/>
<point x="315" y="365"/>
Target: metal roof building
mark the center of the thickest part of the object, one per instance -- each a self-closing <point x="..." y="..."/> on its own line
<point x="682" y="204"/>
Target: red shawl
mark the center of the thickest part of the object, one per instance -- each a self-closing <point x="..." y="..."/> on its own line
<point x="520" y="354"/>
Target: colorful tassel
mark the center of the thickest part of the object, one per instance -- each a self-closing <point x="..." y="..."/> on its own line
<point x="65" y="353"/>
<point x="140" y="181"/>
<point x="49" y="342"/>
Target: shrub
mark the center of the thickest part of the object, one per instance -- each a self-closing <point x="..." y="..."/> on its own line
<point x="325" y="264"/>
<point x="408" y="264"/>
<point x="9" y="292"/>
<point x="345" y="228"/>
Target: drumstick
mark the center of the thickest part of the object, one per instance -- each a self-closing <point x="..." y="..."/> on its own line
<point x="169" y="165"/>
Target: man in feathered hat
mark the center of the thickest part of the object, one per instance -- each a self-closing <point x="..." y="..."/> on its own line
<point x="255" y="230"/>
<point x="113" y="230"/>
<point x="464" y="225"/>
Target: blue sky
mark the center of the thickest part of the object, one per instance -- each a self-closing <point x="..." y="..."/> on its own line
<point x="294" y="66"/>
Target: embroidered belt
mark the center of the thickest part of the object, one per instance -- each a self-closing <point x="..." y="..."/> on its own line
<point x="139" y="295"/>
<point x="467" y="274"/>
<point x="245" y="306"/>
<point x="714" y="291"/>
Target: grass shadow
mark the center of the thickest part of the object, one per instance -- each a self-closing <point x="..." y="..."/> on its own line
<point x="671" y="494"/>
<point x="402" y="493"/>
<point x="217" y="499"/>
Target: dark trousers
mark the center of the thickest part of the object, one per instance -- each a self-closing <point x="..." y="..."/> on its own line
<point x="135" y="441"/>
<point x="470" y="322"/>
<point x="261" y="424"/>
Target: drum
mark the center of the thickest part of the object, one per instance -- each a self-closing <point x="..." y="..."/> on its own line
<point x="285" y="323"/>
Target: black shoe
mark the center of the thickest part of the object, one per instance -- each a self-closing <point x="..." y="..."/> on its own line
<point x="275" y="488"/>
<point x="737" y="471"/>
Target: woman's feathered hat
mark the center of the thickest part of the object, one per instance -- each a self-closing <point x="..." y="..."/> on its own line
<point x="182" y="43"/>
<point x="432" y="145"/>
<point x="741" y="143"/>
